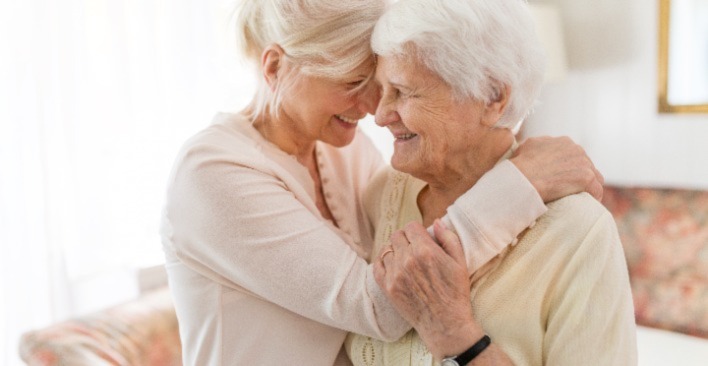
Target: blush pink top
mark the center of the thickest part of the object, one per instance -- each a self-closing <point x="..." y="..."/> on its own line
<point x="259" y="277"/>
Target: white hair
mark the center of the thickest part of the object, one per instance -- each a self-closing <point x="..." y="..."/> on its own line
<point x="477" y="47"/>
<point x="325" y="38"/>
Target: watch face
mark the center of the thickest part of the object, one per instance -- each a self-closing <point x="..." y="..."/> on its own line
<point x="449" y="362"/>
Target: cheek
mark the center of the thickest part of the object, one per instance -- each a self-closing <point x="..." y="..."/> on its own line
<point x="326" y="107"/>
<point x="323" y="99"/>
<point x="337" y="100"/>
<point x="435" y="147"/>
<point x="434" y="129"/>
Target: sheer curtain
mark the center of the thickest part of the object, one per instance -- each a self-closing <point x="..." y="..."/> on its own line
<point x="95" y="98"/>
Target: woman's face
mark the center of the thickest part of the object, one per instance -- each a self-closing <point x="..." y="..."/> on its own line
<point x="432" y="129"/>
<point x="327" y="110"/>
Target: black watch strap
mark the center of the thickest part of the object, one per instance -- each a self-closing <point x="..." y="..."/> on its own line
<point x="465" y="357"/>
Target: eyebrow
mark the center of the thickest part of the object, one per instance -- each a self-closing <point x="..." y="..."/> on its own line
<point x="401" y="86"/>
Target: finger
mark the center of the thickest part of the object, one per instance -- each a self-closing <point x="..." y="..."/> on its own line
<point x="380" y="274"/>
<point x="596" y="181"/>
<point x="449" y="242"/>
<point x="384" y="253"/>
<point x="416" y="233"/>
<point x="423" y="246"/>
<point x="596" y="190"/>
<point x="599" y="176"/>
<point x="399" y="241"/>
<point x="386" y="256"/>
<point x="383" y="267"/>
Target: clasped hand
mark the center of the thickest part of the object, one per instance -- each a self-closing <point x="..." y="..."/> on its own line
<point x="428" y="283"/>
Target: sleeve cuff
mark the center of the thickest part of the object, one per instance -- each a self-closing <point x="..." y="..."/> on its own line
<point x="491" y="215"/>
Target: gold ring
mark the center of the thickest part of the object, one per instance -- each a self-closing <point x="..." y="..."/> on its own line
<point x="389" y="250"/>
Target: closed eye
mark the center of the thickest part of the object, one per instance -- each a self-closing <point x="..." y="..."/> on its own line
<point x="399" y="91"/>
<point x="355" y="84"/>
<point x="403" y="94"/>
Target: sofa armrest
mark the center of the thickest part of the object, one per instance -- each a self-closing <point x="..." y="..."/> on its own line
<point x="143" y="331"/>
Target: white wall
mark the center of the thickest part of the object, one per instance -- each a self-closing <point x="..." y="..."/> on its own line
<point x="607" y="102"/>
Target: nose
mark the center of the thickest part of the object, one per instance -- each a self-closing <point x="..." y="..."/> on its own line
<point x="386" y="113"/>
<point x="368" y="99"/>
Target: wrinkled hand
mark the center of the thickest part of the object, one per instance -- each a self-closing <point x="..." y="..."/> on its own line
<point x="429" y="286"/>
<point x="557" y="167"/>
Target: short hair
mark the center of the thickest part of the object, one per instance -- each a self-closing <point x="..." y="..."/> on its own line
<point x="325" y="38"/>
<point x="475" y="46"/>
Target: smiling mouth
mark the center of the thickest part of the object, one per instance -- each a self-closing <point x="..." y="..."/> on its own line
<point x="351" y="121"/>
<point x="405" y="136"/>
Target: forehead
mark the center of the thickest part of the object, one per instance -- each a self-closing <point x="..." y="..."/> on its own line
<point x="406" y="70"/>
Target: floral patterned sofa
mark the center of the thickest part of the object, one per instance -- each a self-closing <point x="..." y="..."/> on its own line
<point x="664" y="232"/>
<point x="665" y="237"/>
<point x="141" y="332"/>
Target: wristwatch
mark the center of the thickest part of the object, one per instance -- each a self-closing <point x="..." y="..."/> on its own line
<point x="465" y="357"/>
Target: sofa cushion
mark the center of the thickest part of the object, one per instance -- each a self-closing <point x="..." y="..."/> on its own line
<point x="141" y="332"/>
<point x="665" y="236"/>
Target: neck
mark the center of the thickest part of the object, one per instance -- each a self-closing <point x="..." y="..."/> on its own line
<point x="444" y="188"/>
<point x="281" y="133"/>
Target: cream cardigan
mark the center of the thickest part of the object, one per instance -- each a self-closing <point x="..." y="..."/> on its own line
<point x="560" y="296"/>
<point x="260" y="278"/>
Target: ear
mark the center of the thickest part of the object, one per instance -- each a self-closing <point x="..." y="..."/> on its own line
<point x="495" y="109"/>
<point x="271" y="62"/>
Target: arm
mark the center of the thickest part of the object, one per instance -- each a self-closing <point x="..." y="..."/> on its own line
<point x="591" y="318"/>
<point x="246" y="229"/>
<point x="542" y="170"/>
<point x="485" y="226"/>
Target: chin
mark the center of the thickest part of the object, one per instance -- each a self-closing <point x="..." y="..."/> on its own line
<point x="400" y="164"/>
<point x="340" y="141"/>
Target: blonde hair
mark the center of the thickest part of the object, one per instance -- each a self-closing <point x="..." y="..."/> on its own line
<point x="323" y="38"/>
<point x="477" y="47"/>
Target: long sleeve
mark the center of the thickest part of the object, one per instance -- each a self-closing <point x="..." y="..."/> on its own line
<point x="591" y="321"/>
<point x="248" y="224"/>
<point x="491" y="215"/>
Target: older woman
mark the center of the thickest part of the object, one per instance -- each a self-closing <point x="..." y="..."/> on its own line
<point x="263" y="226"/>
<point x="456" y="77"/>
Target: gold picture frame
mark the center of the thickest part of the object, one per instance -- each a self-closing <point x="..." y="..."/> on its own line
<point x="664" y="29"/>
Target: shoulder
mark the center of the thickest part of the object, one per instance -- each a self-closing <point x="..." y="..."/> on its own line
<point x="576" y="228"/>
<point x="578" y="211"/>
<point x="221" y="150"/>
<point x="229" y="141"/>
<point x="229" y="132"/>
